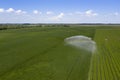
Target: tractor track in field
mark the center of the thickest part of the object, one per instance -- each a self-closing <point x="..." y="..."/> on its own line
<point x="20" y="65"/>
<point x="79" y="60"/>
<point x="72" y="68"/>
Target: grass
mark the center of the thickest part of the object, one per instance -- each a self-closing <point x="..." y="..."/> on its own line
<point x="105" y="63"/>
<point x="40" y="54"/>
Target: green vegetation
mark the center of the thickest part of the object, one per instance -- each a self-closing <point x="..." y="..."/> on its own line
<point x="105" y="63"/>
<point x="39" y="53"/>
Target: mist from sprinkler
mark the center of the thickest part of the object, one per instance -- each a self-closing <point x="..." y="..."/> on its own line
<point x="81" y="42"/>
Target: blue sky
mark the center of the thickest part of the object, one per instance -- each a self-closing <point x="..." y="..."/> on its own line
<point x="59" y="11"/>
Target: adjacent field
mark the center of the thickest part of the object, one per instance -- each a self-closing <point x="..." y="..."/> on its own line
<point x="105" y="63"/>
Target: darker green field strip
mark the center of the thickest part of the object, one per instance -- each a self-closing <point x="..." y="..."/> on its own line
<point x="20" y="65"/>
<point x="41" y="54"/>
<point x="17" y="54"/>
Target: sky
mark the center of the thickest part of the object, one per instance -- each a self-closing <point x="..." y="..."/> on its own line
<point x="59" y="11"/>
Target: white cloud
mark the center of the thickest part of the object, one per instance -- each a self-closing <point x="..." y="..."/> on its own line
<point x="90" y="13"/>
<point x="1" y="10"/>
<point x="116" y="13"/>
<point x="58" y="17"/>
<point x="20" y="12"/>
<point x="12" y="15"/>
<point x="10" y="10"/>
<point x="49" y="12"/>
<point x="87" y="13"/>
<point x="36" y="12"/>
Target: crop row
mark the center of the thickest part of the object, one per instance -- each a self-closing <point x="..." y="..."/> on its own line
<point x="105" y="63"/>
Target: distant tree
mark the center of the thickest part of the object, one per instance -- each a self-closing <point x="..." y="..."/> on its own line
<point x="66" y="25"/>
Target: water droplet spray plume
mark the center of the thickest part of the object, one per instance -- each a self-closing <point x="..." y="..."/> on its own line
<point x="81" y="42"/>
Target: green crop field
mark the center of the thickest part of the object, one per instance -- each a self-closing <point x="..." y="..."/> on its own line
<point x="40" y="53"/>
<point x="105" y="64"/>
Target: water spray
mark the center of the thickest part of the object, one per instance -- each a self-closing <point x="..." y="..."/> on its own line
<point x="81" y="42"/>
